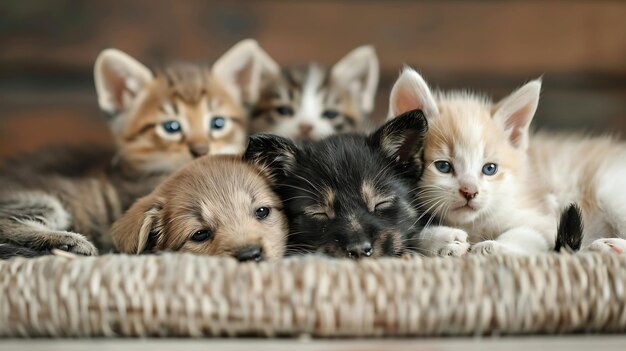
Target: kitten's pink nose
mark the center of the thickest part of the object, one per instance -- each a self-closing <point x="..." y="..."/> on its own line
<point x="199" y="150"/>
<point x="305" y="129"/>
<point x="468" y="193"/>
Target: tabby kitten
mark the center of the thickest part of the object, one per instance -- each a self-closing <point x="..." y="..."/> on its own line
<point x="311" y="102"/>
<point x="348" y="195"/>
<point x="67" y="197"/>
<point x="488" y="177"/>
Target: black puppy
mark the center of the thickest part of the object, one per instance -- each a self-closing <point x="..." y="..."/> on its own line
<point x="348" y="195"/>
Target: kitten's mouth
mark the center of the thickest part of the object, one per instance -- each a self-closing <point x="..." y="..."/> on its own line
<point x="467" y="207"/>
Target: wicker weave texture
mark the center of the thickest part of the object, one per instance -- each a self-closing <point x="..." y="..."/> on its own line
<point x="185" y="295"/>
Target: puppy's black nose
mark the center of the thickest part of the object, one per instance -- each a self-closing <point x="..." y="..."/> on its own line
<point x="358" y="250"/>
<point x="249" y="253"/>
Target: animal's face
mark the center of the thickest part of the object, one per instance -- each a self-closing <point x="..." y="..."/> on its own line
<point x="214" y="206"/>
<point x="474" y="150"/>
<point x="312" y="102"/>
<point x="470" y="165"/>
<point x="348" y="195"/>
<point x="164" y="119"/>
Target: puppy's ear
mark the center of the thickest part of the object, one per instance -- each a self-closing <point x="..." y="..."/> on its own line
<point x="137" y="230"/>
<point x="272" y="153"/>
<point x="242" y="69"/>
<point x="358" y="72"/>
<point x="119" y="79"/>
<point x="402" y="138"/>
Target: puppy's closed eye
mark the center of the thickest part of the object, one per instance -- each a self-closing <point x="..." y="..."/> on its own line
<point x="319" y="215"/>
<point x="384" y="204"/>
<point x="319" y="212"/>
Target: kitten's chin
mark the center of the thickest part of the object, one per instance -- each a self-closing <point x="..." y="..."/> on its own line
<point x="464" y="214"/>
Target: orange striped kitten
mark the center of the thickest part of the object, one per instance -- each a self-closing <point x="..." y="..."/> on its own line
<point x="488" y="180"/>
<point x="312" y="102"/>
<point x="219" y="206"/>
<point x="67" y="197"/>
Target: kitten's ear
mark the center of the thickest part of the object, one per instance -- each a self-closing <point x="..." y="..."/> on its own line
<point x="272" y="153"/>
<point x="358" y="71"/>
<point x="131" y="233"/>
<point x="119" y="79"/>
<point x="241" y="70"/>
<point x="410" y="92"/>
<point x="516" y="111"/>
<point x="402" y="138"/>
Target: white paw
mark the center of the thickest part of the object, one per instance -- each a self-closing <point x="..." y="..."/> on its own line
<point x="446" y="241"/>
<point x="489" y="247"/>
<point x="608" y="245"/>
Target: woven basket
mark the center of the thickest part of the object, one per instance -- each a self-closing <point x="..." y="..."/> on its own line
<point x="186" y="295"/>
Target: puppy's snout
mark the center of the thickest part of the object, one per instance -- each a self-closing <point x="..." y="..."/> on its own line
<point x="249" y="253"/>
<point x="359" y="250"/>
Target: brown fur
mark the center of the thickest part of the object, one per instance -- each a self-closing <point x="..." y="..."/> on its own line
<point x="66" y="191"/>
<point x="47" y="199"/>
<point x="219" y="194"/>
<point x="194" y="97"/>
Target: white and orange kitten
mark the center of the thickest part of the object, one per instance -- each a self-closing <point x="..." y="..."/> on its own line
<point x="492" y="184"/>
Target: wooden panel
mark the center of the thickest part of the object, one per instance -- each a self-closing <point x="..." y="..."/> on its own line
<point x="505" y="37"/>
<point x="48" y="49"/>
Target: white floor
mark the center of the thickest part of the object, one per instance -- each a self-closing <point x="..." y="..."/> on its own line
<point x="565" y="343"/>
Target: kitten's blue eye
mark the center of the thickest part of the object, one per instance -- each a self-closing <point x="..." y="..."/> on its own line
<point x="330" y="114"/>
<point x="218" y="123"/>
<point x="443" y="166"/>
<point x="490" y="169"/>
<point x="171" y="127"/>
<point x="284" y="110"/>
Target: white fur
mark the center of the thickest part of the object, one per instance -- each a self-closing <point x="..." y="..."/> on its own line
<point x="311" y="108"/>
<point x="518" y="214"/>
<point x="309" y="111"/>
<point x="608" y="245"/>
<point x="443" y="241"/>
<point x="503" y="217"/>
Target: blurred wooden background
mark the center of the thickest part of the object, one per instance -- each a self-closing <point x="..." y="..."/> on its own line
<point x="48" y="48"/>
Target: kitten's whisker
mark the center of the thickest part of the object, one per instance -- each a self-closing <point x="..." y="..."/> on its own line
<point x="299" y="188"/>
<point x="299" y="197"/>
<point x="434" y="214"/>
<point x="425" y="213"/>
<point x="306" y="180"/>
<point x="380" y="173"/>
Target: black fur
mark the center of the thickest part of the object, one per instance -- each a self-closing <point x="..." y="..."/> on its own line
<point x="389" y="159"/>
<point x="570" y="231"/>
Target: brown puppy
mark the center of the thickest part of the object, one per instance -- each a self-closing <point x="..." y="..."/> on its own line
<point x="214" y="206"/>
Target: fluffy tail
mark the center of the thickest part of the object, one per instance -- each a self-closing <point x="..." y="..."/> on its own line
<point x="569" y="235"/>
<point x="9" y="251"/>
